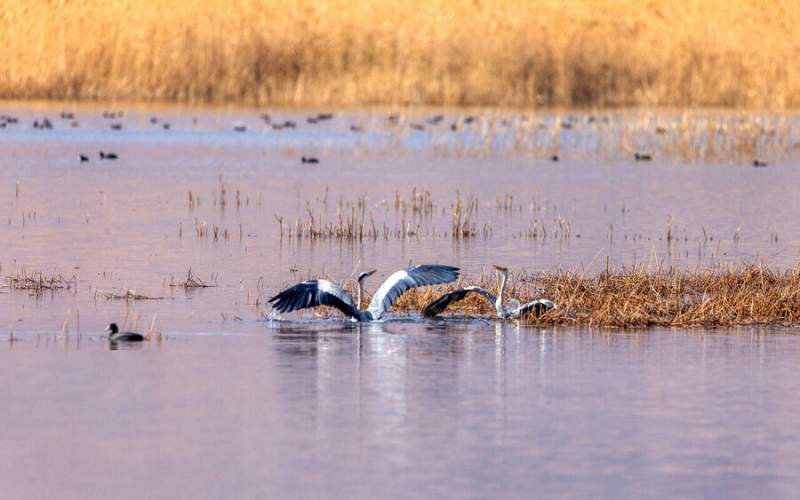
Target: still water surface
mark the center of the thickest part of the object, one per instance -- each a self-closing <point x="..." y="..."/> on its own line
<point x="403" y="410"/>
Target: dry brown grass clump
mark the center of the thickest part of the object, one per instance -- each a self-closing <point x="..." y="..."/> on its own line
<point x="190" y="282"/>
<point x="486" y="52"/>
<point x="124" y="294"/>
<point x="37" y="283"/>
<point x="733" y="296"/>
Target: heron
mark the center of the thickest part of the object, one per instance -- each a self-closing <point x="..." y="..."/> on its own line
<point x="512" y="309"/>
<point x="321" y="292"/>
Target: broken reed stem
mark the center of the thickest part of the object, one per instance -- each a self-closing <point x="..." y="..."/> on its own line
<point x="151" y="328"/>
<point x="65" y="325"/>
<point x="191" y="281"/>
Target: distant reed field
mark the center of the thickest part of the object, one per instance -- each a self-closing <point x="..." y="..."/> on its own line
<point x="731" y="53"/>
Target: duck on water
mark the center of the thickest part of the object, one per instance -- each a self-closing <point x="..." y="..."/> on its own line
<point x="114" y="335"/>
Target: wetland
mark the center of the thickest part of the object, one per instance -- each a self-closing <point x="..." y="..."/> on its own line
<point x="181" y="222"/>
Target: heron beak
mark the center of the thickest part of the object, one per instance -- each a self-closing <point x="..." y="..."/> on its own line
<point x="370" y="273"/>
<point x="499" y="268"/>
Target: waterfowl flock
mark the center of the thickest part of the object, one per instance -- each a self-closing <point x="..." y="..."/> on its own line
<point x="431" y="124"/>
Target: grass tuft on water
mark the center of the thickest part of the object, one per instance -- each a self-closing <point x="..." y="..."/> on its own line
<point x="190" y="282"/>
<point x="38" y="283"/>
<point x="124" y="294"/>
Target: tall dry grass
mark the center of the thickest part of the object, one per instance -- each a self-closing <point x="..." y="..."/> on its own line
<point x="485" y="52"/>
<point x="745" y="295"/>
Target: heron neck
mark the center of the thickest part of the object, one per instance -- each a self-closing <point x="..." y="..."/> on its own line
<point x="360" y="294"/>
<point x="499" y="303"/>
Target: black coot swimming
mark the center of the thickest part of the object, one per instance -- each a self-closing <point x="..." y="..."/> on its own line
<point x="114" y="335"/>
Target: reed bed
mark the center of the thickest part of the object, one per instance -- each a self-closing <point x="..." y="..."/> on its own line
<point x="736" y="53"/>
<point x="462" y="226"/>
<point x="745" y="295"/>
<point x="415" y="217"/>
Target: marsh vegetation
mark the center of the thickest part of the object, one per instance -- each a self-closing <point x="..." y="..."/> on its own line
<point x="497" y="52"/>
<point x="632" y="161"/>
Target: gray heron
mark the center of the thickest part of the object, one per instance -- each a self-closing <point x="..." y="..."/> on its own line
<point x="320" y="292"/>
<point x="512" y="309"/>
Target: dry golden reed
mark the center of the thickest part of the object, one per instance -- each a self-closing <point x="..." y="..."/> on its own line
<point x="749" y="295"/>
<point x="734" y="53"/>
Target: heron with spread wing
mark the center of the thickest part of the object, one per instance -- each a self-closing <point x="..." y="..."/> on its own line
<point x="314" y="293"/>
<point x="511" y="309"/>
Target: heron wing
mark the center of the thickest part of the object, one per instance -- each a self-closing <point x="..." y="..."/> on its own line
<point x="401" y="281"/>
<point x="314" y="293"/>
<point x="538" y="307"/>
<point x="439" y="305"/>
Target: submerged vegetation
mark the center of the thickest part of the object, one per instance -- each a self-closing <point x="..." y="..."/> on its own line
<point x="490" y="52"/>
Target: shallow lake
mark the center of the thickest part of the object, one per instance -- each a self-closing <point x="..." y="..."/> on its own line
<point x="228" y="403"/>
